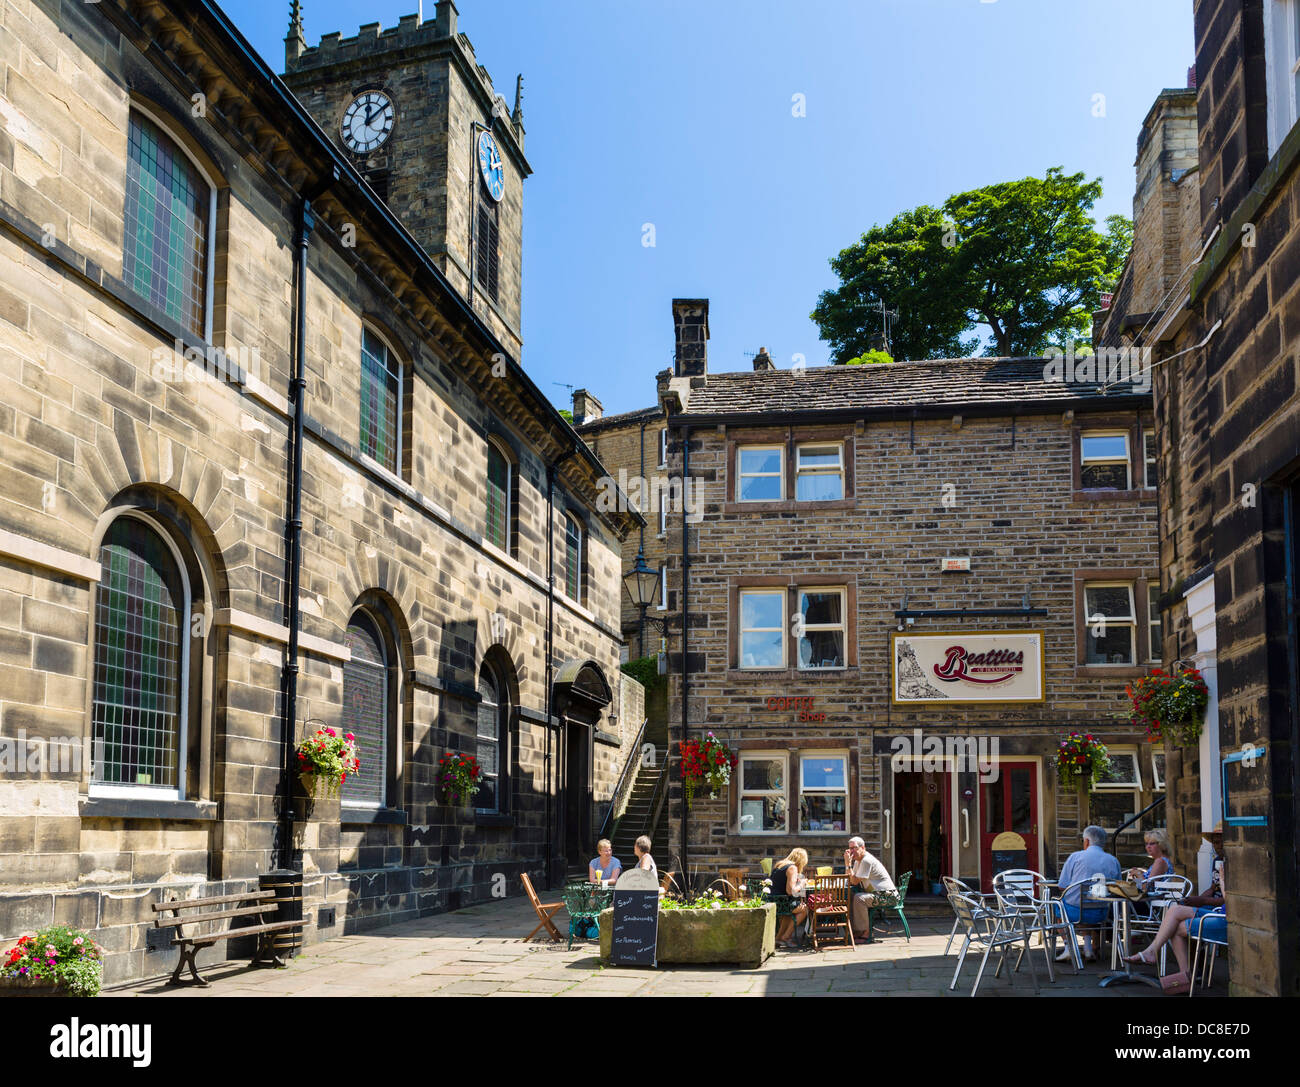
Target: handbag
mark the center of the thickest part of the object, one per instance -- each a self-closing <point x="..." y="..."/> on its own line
<point x="1123" y="888"/>
<point x="816" y="900"/>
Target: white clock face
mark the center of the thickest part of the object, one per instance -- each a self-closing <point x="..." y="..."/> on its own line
<point x="368" y="122"/>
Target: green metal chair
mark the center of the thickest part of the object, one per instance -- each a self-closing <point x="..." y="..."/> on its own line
<point x="892" y="906"/>
<point x="584" y="902"/>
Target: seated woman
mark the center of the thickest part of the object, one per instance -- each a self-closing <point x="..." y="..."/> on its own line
<point x="787" y="879"/>
<point x="1179" y="922"/>
<point x="643" y="859"/>
<point x="1156" y="843"/>
<point x="604" y="866"/>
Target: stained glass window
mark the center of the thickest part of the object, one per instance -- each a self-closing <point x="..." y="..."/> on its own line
<point x="381" y="401"/>
<point x="366" y="711"/>
<point x="168" y="205"/>
<point x="140" y="625"/>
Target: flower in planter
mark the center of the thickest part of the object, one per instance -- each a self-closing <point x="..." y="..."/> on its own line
<point x="59" y="954"/>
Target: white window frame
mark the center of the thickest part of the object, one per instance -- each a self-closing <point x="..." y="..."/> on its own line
<point x="800" y="470"/>
<point x="741" y="475"/>
<point x="663" y="448"/>
<point x="1129" y="621"/>
<point x="153" y="792"/>
<point x="1149" y="464"/>
<point x="1135" y="785"/>
<point x="509" y="489"/>
<point x="663" y="517"/>
<point x="842" y="626"/>
<point x="784" y="792"/>
<point x="1157" y="772"/>
<point x="784" y="596"/>
<point x="1282" y="65"/>
<point x="663" y="588"/>
<point x="1155" y="629"/>
<point x="806" y="756"/>
<point x="394" y="360"/>
<point x="1127" y="459"/>
<point x="210" y="272"/>
<point x="569" y="519"/>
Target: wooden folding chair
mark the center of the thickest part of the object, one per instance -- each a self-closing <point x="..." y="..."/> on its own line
<point x="668" y="883"/>
<point x="545" y="910"/>
<point x="833" y="913"/>
<point x="733" y="878"/>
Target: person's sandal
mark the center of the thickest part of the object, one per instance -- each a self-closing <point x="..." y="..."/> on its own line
<point x="1174" y="984"/>
<point x="1140" y="957"/>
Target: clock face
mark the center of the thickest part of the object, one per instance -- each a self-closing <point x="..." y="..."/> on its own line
<point x="368" y="122"/>
<point x="489" y="162"/>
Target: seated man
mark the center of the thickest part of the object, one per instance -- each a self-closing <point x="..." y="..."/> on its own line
<point x="1086" y="863"/>
<point x="869" y="883"/>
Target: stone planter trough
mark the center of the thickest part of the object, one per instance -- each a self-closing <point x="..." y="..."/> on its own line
<point x="745" y="937"/>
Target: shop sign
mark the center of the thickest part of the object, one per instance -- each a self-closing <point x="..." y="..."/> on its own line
<point x="972" y="667"/>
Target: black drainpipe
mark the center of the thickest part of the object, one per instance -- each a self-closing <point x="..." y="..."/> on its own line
<point x="641" y="448"/>
<point x="293" y="526"/>
<point x="551" y="470"/>
<point x="686" y="680"/>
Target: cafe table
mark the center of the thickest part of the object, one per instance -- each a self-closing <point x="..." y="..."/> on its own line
<point x="1121" y="912"/>
<point x="585" y="901"/>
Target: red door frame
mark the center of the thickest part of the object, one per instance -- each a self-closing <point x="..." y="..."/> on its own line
<point x="1030" y="835"/>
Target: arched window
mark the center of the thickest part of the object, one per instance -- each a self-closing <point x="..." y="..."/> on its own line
<point x="499" y="487"/>
<point x="167" y="243"/>
<point x="369" y="711"/>
<point x="142" y="628"/>
<point x="572" y="558"/>
<point x="493" y="748"/>
<point x="381" y="402"/>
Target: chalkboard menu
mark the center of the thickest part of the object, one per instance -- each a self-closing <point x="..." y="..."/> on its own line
<point x="636" y="927"/>
<point x="1006" y="859"/>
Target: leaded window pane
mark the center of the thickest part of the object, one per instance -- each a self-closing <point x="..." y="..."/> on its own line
<point x="140" y="622"/>
<point x="488" y="744"/>
<point x="166" y="225"/>
<point x="572" y="559"/>
<point x="381" y="384"/>
<point x="498" y="498"/>
<point x="366" y="711"/>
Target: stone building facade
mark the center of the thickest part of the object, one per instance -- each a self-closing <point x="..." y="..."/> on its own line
<point x="1225" y="343"/>
<point x="879" y="476"/>
<point x="155" y="368"/>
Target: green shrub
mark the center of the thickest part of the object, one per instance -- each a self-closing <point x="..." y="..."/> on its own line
<point x="645" y="670"/>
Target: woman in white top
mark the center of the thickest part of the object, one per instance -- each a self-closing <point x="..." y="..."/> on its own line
<point x="643" y="858"/>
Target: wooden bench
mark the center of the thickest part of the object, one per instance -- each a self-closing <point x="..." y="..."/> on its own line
<point x="262" y="903"/>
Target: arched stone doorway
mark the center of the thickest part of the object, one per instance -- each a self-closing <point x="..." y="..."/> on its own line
<point x="582" y="696"/>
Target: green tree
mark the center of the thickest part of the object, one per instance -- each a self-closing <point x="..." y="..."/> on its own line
<point x="1023" y="257"/>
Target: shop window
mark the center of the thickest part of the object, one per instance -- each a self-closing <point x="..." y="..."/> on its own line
<point x="760" y="473"/>
<point x="762" y="628"/>
<point x="819" y="473"/>
<point x="381" y="402"/>
<point x="1118" y="797"/>
<point x="142" y="635"/>
<point x="821" y="628"/>
<point x="1111" y="624"/>
<point x="762" y="808"/>
<point x="167" y="240"/>
<point x="1104" y="460"/>
<point x="823" y="793"/>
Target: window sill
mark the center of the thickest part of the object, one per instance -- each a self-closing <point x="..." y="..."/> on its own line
<point x="611" y="738"/>
<point x="1145" y="495"/>
<point x="758" y="675"/>
<point x="125" y="807"/>
<point x="493" y="819"/>
<point x="1109" y="671"/>
<point x="371" y="816"/>
<point x="789" y="507"/>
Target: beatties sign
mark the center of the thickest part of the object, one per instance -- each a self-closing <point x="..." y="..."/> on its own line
<point x="959" y="663"/>
<point x="961" y="666"/>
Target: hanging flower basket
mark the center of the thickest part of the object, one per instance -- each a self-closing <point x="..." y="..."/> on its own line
<point x="1081" y="760"/>
<point x="706" y="764"/>
<point x="458" y="778"/>
<point x="1170" y="704"/>
<point x="325" y="759"/>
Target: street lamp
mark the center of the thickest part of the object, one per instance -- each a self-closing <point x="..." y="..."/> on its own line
<point x="643" y="589"/>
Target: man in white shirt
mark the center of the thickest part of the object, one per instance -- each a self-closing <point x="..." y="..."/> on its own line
<point x="866" y="874"/>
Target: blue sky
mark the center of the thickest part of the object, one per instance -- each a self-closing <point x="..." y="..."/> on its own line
<point x="680" y="113"/>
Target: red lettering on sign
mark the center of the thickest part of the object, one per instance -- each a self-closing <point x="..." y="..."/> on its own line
<point x="958" y="664"/>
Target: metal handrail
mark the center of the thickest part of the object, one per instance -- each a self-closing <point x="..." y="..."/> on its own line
<point x="625" y="779"/>
<point x="1114" y="838"/>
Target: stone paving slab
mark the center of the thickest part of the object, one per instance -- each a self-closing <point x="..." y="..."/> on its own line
<point x="480" y="952"/>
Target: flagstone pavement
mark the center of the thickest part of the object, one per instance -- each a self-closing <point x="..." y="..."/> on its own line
<point x="478" y="951"/>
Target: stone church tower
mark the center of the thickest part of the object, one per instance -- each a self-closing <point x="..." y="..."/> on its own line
<point x="421" y="120"/>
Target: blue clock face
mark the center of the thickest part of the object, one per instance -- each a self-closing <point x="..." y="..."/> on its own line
<point x="489" y="162"/>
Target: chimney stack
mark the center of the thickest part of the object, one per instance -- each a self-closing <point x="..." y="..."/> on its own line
<point x="1165" y="208"/>
<point x="763" y="361"/>
<point x="691" y="325"/>
<point x="586" y="408"/>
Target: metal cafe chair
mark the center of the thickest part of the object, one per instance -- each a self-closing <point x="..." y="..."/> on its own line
<point x="1162" y="892"/>
<point x="1026" y="894"/>
<point x="953" y="886"/>
<point x="993" y="929"/>
<point x="1214" y="939"/>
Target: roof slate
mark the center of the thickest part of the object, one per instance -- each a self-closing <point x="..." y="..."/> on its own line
<point x="933" y="383"/>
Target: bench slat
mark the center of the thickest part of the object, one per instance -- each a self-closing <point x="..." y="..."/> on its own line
<point x="219" y="915"/>
<point x="253" y="930"/>
<point x="187" y="903"/>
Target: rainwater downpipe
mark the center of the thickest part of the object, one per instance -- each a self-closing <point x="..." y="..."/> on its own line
<point x="293" y="526"/>
<point x="686" y="624"/>
<point x="551" y="470"/>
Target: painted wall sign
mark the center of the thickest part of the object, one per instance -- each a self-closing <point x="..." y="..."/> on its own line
<point x="955" y="564"/>
<point x="967" y="666"/>
<point x="803" y="705"/>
